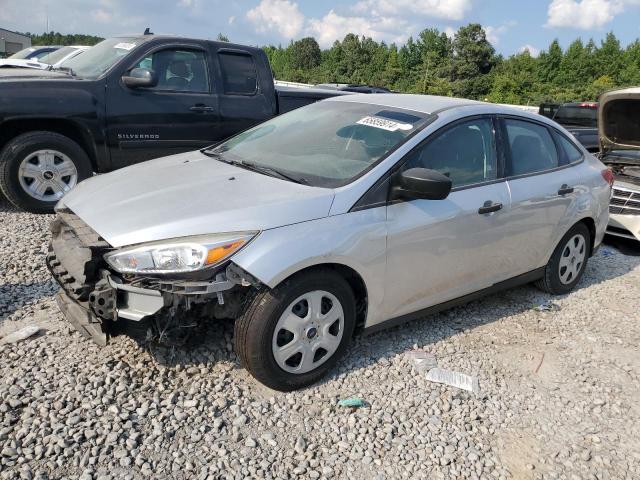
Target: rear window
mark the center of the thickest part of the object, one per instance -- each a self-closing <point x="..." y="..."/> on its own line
<point x="571" y="153"/>
<point x="583" y="116"/>
<point x="239" y="75"/>
<point x="532" y="148"/>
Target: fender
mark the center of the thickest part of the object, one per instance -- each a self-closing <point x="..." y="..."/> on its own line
<point x="276" y="254"/>
<point x="32" y="104"/>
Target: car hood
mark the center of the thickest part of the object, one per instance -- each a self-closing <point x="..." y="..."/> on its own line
<point x="12" y="73"/>
<point x="619" y="122"/>
<point x="190" y="194"/>
<point x="23" y="64"/>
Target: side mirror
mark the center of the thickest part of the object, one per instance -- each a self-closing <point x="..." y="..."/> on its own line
<point x="140" y="77"/>
<point x="422" y="183"/>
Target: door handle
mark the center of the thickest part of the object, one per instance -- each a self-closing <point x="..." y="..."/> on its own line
<point x="565" y="189"/>
<point x="201" y="108"/>
<point x="489" y="207"/>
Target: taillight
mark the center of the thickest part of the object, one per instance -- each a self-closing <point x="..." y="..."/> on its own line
<point x="608" y="176"/>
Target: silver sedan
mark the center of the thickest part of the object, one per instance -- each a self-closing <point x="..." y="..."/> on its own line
<point x="348" y="215"/>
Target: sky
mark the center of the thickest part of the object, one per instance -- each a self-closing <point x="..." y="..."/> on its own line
<point x="511" y="26"/>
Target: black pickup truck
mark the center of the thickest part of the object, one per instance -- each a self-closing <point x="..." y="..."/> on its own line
<point x="126" y="100"/>
<point x="581" y="119"/>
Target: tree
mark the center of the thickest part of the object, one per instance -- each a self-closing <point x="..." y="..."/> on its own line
<point x="305" y="54"/>
<point x="473" y="58"/>
<point x="222" y="37"/>
<point x="549" y="63"/>
<point x="609" y="58"/>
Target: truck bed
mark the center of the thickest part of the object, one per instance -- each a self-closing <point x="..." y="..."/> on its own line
<point x="290" y="98"/>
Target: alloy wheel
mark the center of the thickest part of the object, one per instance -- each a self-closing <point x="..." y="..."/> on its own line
<point x="47" y="175"/>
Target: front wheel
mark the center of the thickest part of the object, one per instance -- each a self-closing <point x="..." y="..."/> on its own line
<point x="38" y="168"/>
<point x="289" y="337"/>
<point x="568" y="261"/>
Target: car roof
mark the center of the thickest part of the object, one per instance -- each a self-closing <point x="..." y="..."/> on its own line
<point x="417" y="103"/>
<point x="432" y="104"/>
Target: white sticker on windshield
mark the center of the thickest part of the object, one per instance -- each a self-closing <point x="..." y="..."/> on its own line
<point x="124" y="46"/>
<point x="384" y="124"/>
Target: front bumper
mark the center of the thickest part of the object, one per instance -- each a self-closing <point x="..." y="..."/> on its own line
<point x="94" y="299"/>
<point x="624" y="211"/>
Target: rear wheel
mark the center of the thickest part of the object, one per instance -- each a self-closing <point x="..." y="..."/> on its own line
<point x="289" y="337"/>
<point x="38" y="168"/>
<point x="568" y="262"/>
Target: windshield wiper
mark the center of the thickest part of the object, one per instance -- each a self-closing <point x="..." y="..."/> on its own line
<point x="67" y="70"/>
<point x="272" y="172"/>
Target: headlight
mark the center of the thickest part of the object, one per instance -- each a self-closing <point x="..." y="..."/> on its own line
<point x="179" y="255"/>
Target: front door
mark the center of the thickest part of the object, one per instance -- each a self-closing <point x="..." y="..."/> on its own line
<point x="179" y="114"/>
<point x="438" y="250"/>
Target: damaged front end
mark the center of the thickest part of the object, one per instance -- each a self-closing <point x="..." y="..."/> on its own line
<point x="100" y="302"/>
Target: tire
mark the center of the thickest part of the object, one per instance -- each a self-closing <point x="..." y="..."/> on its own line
<point x="562" y="274"/>
<point x="257" y="342"/>
<point x="34" y="168"/>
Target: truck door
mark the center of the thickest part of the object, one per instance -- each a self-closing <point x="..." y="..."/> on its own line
<point x="179" y="114"/>
<point x="246" y="93"/>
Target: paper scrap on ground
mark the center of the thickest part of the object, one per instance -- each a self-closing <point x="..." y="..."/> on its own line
<point x="548" y="307"/>
<point x="454" y="379"/>
<point x="422" y="361"/>
<point x="19" y="335"/>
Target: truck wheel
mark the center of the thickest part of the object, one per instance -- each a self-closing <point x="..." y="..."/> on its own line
<point x="38" y="168"/>
<point x="568" y="262"/>
<point x="289" y="337"/>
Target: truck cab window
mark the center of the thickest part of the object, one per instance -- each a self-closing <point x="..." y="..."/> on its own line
<point x="239" y="75"/>
<point x="178" y="70"/>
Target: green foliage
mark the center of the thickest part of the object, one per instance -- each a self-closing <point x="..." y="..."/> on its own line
<point x="55" y="38"/>
<point x="465" y="66"/>
<point x="433" y="63"/>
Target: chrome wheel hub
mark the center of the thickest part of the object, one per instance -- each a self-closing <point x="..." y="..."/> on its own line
<point x="308" y="332"/>
<point x="47" y="175"/>
<point x="572" y="259"/>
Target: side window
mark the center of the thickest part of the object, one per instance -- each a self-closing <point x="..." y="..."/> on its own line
<point x="532" y="148"/>
<point x="465" y="153"/>
<point x="178" y="70"/>
<point x="239" y="75"/>
<point x="571" y="153"/>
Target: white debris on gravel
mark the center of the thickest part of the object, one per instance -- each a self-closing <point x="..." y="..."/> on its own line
<point x="69" y="409"/>
<point x="19" y="335"/>
<point x="454" y="379"/>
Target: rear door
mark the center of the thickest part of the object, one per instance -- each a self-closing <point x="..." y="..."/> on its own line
<point x="543" y="184"/>
<point x="179" y="114"/>
<point x="438" y="250"/>
<point x="246" y="93"/>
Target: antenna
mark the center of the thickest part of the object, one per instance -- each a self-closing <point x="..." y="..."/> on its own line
<point x="147" y="31"/>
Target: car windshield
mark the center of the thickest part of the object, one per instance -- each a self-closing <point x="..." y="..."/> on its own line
<point x="326" y="144"/>
<point x="100" y="58"/>
<point x="52" y="58"/>
<point x="577" y="115"/>
<point x="22" y="54"/>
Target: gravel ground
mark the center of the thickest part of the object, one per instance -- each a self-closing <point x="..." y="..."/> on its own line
<point x="559" y="396"/>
